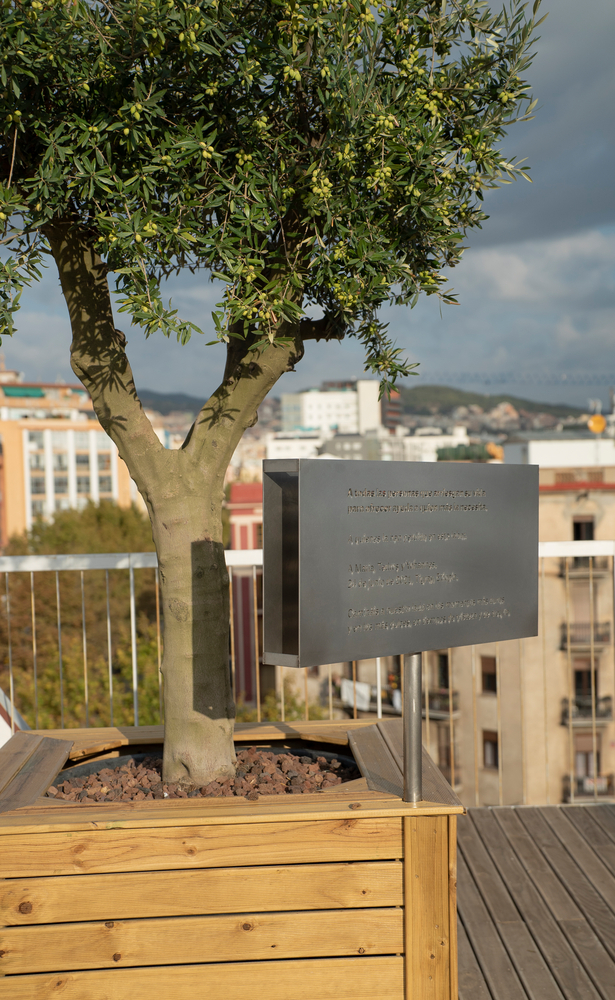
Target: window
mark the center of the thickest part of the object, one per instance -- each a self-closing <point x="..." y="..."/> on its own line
<point x="83" y="484"/>
<point x="36" y="438"/>
<point x="104" y="461"/>
<point x="259" y="536"/>
<point x="82" y="460"/>
<point x="82" y="439"/>
<point x="442" y="670"/>
<point x="583" y="680"/>
<point x="490" y="749"/>
<point x="489" y="673"/>
<point x="37" y="485"/>
<point x="583" y="529"/>
<point x="60" y="484"/>
<point x="60" y="461"/>
<point x="584" y="755"/>
<point x="104" y="484"/>
<point x="37" y="460"/>
<point x="37" y="508"/>
<point x="59" y="439"/>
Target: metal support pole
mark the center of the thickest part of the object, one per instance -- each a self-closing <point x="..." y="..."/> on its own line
<point x="413" y="742"/>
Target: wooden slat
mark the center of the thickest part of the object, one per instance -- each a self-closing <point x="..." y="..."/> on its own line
<point x="435" y="786"/>
<point x="596" y="872"/>
<point x="375" y="760"/>
<point x="426" y="892"/>
<point x="120" y="850"/>
<point x="573" y="873"/>
<point x="553" y="891"/>
<point x="563" y="962"/>
<point x="584" y="820"/>
<point x="86" y="748"/>
<point x="14" y="754"/>
<point x="35" y="775"/>
<point x="365" y="978"/>
<point x="87" y="742"/>
<point x="472" y="985"/>
<point x="562" y="904"/>
<point x="378" y="750"/>
<point x="520" y="942"/>
<point x="452" y="903"/>
<point x="211" y="812"/>
<point x="91" y="741"/>
<point x="221" y="938"/>
<point x="498" y="970"/>
<point x="605" y="818"/>
<point x="219" y="890"/>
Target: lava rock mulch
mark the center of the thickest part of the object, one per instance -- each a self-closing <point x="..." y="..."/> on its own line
<point x="259" y="772"/>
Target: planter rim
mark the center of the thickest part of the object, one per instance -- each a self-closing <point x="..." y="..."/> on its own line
<point x="351" y="800"/>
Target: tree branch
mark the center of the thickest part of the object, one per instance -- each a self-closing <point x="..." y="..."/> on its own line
<point x="249" y="375"/>
<point x="98" y="354"/>
<point x="326" y="328"/>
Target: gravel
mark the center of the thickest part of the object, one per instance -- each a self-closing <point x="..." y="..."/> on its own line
<point x="259" y="772"/>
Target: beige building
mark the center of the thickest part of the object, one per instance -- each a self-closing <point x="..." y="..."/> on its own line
<point x="536" y="715"/>
<point x="530" y="721"/>
<point x="53" y="464"/>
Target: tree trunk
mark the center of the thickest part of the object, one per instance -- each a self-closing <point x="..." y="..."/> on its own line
<point x="183" y="492"/>
<point x="198" y="701"/>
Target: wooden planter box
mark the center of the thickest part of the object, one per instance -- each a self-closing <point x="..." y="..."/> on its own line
<point x="338" y="895"/>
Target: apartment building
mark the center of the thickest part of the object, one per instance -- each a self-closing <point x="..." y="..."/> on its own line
<point x="533" y="739"/>
<point x="344" y="407"/>
<point x="53" y="464"/>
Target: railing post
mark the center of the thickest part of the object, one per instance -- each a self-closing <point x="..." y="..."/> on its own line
<point x="413" y="722"/>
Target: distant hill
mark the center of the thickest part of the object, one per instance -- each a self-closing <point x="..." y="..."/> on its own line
<point x="426" y="399"/>
<point x="170" y="402"/>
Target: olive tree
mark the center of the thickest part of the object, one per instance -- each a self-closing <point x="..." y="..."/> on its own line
<point x="316" y="160"/>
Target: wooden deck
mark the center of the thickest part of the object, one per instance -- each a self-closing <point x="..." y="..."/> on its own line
<point x="536" y="897"/>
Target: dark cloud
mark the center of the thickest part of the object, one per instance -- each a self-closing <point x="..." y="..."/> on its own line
<point x="570" y="144"/>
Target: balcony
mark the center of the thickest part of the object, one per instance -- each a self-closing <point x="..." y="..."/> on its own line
<point x="578" y="567"/>
<point x="580" y="635"/>
<point x="584" y="787"/>
<point x="582" y="710"/>
<point x="439" y="703"/>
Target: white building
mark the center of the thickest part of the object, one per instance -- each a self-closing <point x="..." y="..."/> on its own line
<point x="561" y="452"/>
<point x="294" y="444"/>
<point x="345" y="408"/>
<point x="424" y="444"/>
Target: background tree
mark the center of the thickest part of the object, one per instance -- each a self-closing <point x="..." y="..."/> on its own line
<point x="318" y="159"/>
<point x="40" y="697"/>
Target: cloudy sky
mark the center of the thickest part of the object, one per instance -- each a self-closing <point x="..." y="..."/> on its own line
<point x="536" y="287"/>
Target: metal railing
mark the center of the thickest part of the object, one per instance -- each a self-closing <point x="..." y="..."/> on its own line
<point x="587" y="787"/>
<point x="507" y="726"/>
<point x="579" y="634"/>
<point x="582" y="708"/>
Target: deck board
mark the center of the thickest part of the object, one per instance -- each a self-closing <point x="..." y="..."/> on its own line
<point x="516" y="927"/>
<point x="536" y="902"/>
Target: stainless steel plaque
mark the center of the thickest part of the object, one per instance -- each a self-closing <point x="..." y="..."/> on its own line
<point x="366" y="559"/>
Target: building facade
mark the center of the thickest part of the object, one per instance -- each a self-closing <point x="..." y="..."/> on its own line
<point x="50" y="465"/>
<point x="536" y="722"/>
<point x="343" y="407"/>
